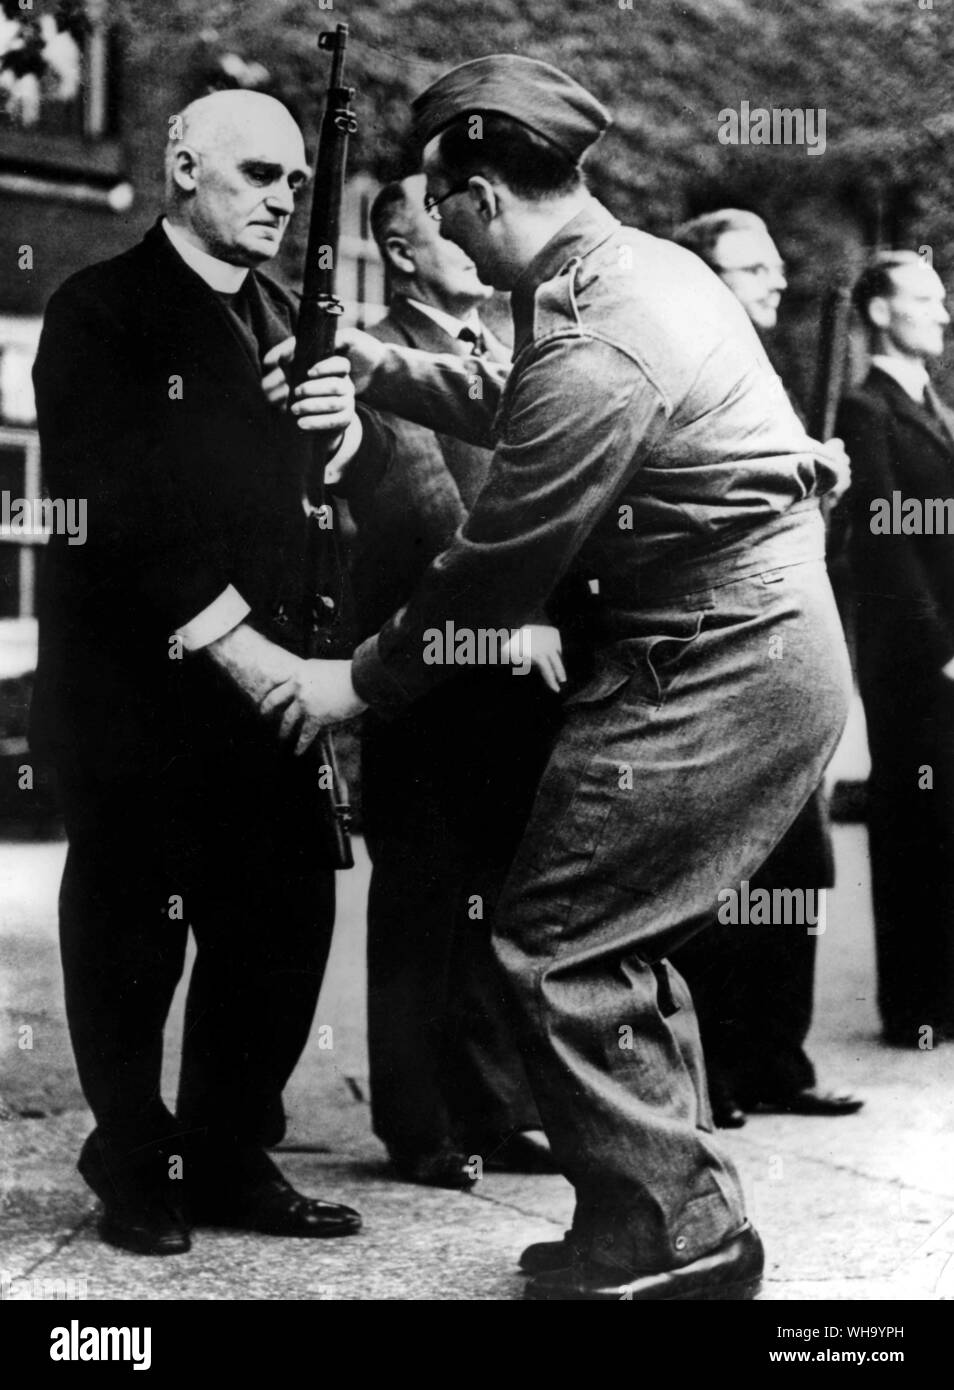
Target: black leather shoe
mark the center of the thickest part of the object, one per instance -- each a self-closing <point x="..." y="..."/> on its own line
<point x="442" y="1168"/>
<point x="812" y="1100"/>
<point x="149" y="1228"/>
<point x="277" y="1211"/>
<point x="545" y="1255"/>
<point x="141" y="1211"/>
<point x="527" y="1151"/>
<point x="727" y="1113"/>
<point x="732" y="1272"/>
<point x="261" y="1199"/>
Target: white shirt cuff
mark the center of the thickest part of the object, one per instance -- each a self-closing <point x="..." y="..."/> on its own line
<point x="222" y="615"/>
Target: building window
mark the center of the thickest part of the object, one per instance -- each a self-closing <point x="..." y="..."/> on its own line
<point x="361" y="279"/>
<point x="19" y="548"/>
<point x="58" y="126"/>
<point x="19" y="465"/>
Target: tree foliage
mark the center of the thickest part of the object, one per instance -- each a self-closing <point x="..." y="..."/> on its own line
<point x="879" y="68"/>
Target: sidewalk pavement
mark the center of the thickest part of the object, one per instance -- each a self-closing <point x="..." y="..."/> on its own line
<point x="855" y="1208"/>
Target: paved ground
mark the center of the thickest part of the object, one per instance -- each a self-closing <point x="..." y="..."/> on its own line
<point x="850" y="1209"/>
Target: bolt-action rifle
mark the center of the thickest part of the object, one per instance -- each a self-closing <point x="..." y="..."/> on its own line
<point x="324" y="597"/>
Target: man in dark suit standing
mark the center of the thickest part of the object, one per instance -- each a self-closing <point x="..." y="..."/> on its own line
<point x="754" y="990"/>
<point x="158" y="640"/>
<point x="900" y="437"/>
<point x="442" y="815"/>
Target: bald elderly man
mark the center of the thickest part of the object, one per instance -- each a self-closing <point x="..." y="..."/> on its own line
<point x="158" y="640"/>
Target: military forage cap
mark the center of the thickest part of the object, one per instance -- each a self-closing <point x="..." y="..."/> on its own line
<point x="534" y="93"/>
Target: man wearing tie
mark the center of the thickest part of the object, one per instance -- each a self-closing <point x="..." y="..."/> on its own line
<point x="443" y="813"/>
<point x="754" y="993"/>
<point x="900" y="439"/>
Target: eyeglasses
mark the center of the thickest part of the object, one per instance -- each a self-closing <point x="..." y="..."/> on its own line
<point x="760" y="268"/>
<point x="432" y="204"/>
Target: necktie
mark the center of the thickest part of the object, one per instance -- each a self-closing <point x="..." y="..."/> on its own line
<point x="476" y="339"/>
<point x="936" y="407"/>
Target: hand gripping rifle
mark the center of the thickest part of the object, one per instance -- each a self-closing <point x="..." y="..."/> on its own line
<point x="323" y="599"/>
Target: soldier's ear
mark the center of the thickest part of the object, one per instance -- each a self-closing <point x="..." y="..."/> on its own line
<point x="484" y="197"/>
<point x="185" y="167"/>
<point x="401" y="255"/>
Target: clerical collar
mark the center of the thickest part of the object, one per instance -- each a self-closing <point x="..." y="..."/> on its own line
<point x="910" y="375"/>
<point x="447" y="321"/>
<point x="218" y="275"/>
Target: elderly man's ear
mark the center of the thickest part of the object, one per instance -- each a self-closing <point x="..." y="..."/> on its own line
<point x="185" y="167"/>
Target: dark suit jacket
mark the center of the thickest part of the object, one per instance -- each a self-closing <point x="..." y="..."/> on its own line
<point x="185" y="496"/>
<point x="442" y="742"/>
<point x="412" y="516"/>
<point x="903" y="585"/>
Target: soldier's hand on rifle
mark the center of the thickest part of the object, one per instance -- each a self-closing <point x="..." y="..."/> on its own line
<point x="319" y="693"/>
<point x="325" y="401"/>
<point x="364" y="352"/>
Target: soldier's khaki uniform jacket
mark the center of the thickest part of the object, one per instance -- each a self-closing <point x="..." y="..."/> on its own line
<point x="640" y="426"/>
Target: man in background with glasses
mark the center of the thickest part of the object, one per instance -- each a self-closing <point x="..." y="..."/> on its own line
<point x="738" y="247"/>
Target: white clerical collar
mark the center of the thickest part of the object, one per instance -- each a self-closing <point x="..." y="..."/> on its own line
<point x="910" y="375"/>
<point x="449" y="324"/>
<point x="218" y="275"/>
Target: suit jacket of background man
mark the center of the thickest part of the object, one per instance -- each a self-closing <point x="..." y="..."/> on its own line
<point x="413" y="515"/>
<point x="150" y="408"/>
<point x="903" y="585"/>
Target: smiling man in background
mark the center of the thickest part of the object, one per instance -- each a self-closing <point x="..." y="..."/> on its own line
<point x="737" y="245"/>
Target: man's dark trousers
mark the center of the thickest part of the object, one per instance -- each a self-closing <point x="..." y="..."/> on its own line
<point x="149" y="858"/>
<point x="753" y="985"/>
<point x="903" y="599"/>
<point x="182" y="808"/>
<point x="446" y="791"/>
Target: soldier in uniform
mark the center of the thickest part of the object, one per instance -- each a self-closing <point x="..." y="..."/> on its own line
<point x="158" y="639"/>
<point x="643" y="442"/>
